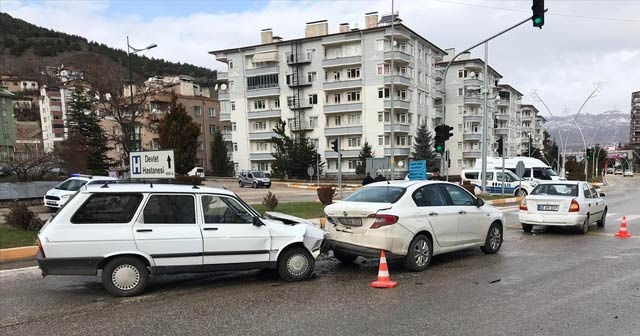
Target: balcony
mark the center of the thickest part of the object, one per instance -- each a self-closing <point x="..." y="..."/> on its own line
<point x="397" y="34"/>
<point x="397" y="128"/>
<point x="261" y="135"/>
<point x="343" y="130"/>
<point x="473" y="82"/>
<point x="397" y="104"/>
<point x="267" y="91"/>
<point x="299" y="83"/>
<point x="226" y="136"/>
<point x="223" y="75"/>
<point x="398" y="151"/>
<point x="299" y="126"/>
<point x="472" y="118"/>
<point x="501" y="131"/>
<point x="397" y="80"/>
<point x="341" y="61"/>
<point x="526" y="117"/>
<point x="502" y="116"/>
<point x="471" y="154"/>
<point x="339" y="108"/>
<point x="223" y="95"/>
<point x="225" y="116"/>
<point x="294" y="104"/>
<point x="346" y="153"/>
<point x="296" y="59"/>
<point x="263" y="114"/>
<point x="261" y="157"/>
<point x="343" y="84"/>
<point x="503" y="102"/>
<point x="262" y="71"/>
<point x="438" y="112"/>
<point x="438" y="74"/>
<point x="471" y="136"/>
<point x="473" y="100"/>
<point x="397" y="56"/>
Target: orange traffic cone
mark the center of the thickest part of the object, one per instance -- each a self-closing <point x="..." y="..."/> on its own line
<point x="623" y="233"/>
<point x="384" y="281"/>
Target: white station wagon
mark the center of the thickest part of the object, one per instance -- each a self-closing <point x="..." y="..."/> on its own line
<point x="131" y="231"/>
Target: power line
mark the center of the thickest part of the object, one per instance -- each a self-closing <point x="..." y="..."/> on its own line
<point x="548" y="13"/>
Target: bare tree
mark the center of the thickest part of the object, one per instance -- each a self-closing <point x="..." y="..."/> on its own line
<point x="31" y="166"/>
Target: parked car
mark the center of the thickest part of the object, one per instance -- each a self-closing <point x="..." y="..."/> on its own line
<point x="495" y="179"/>
<point x="196" y="171"/>
<point x="567" y="203"/>
<point x="412" y="220"/>
<point x="610" y="170"/>
<point x="132" y="231"/>
<point x="628" y="173"/>
<point x="254" y="179"/>
<point x="618" y="172"/>
<point x="58" y="196"/>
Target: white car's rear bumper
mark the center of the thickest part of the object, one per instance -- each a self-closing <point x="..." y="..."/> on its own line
<point x="571" y="219"/>
<point x="395" y="240"/>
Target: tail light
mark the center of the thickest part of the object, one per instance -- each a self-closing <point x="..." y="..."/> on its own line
<point x="40" y="249"/>
<point x="523" y="205"/>
<point x="383" y="220"/>
<point x="575" y="206"/>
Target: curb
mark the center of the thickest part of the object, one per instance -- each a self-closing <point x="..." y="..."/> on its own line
<point x="348" y="187"/>
<point x="504" y="201"/>
<point x="18" y="253"/>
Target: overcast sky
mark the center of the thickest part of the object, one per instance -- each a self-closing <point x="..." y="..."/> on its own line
<point x="583" y="42"/>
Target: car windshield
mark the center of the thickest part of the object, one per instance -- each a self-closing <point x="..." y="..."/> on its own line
<point x="71" y="185"/>
<point x="381" y="194"/>
<point x="550" y="172"/>
<point x="259" y="174"/>
<point x="570" y="190"/>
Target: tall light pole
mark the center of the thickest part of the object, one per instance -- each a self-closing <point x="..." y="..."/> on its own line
<point x="596" y="89"/>
<point x="562" y="143"/>
<point x="132" y="50"/>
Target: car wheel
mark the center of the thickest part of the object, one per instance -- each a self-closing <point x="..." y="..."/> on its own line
<point x="419" y="254"/>
<point x="521" y="192"/>
<point x="585" y="226"/>
<point x="254" y="185"/>
<point x="345" y="258"/>
<point x="493" y="242"/>
<point x="125" y="276"/>
<point x="241" y="184"/>
<point x="295" y="264"/>
<point x="527" y="227"/>
<point x="602" y="220"/>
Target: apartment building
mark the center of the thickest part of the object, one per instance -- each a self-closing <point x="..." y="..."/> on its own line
<point x="7" y="125"/>
<point x="506" y="119"/>
<point x="16" y="84"/>
<point x="634" y="135"/>
<point x="328" y="86"/>
<point x="532" y="129"/>
<point x="53" y="106"/>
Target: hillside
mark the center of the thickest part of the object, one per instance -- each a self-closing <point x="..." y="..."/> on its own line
<point x="26" y="49"/>
<point x="603" y="128"/>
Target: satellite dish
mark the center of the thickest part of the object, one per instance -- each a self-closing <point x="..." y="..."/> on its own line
<point x="215" y="88"/>
<point x="223" y="87"/>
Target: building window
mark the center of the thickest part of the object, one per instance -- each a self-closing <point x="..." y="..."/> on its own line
<point x="212" y="129"/>
<point x="383" y="92"/>
<point x="233" y="106"/>
<point x="353" y="119"/>
<point x="197" y="110"/>
<point x="353" y="73"/>
<point x="336" y="75"/>
<point x="379" y="116"/>
<point x="380" y="140"/>
<point x="379" y="45"/>
<point x="462" y="73"/>
<point x="235" y="146"/>
<point x="200" y="145"/>
<point x="259" y="104"/>
<point x="313" y="122"/>
<point x="212" y="112"/>
<point x="259" y="125"/>
<point x="313" y="99"/>
<point x="234" y="126"/>
<point x="353" y="96"/>
<point x="262" y="82"/>
<point x="353" y="142"/>
<point x="460" y="92"/>
<point x="336" y="98"/>
<point x="383" y="69"/>
<point x="232" y="85"/>
<point x="401" y="94"/>
<point x="230" y="64"/>
<point x="276" y="103"/>
<point x="311" y="76"/>
<point x="311" y="54"/>
<point x="337" y="121"/>
<point x="352" y="164"/>
<point x="459" y="145"/>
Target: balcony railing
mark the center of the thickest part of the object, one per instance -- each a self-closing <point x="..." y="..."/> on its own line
<point x="397" y="80"/>
<point x="263" y="90"/>
<point x="261" y="135"/>
<point x="343" y="84"/>
<point x="340" y="61"/>
<point x="263" y="114"/>
<point x="338" y="108"/>
<point x="343" y="130"/>
<point x="262" y="71"/>
<point x="346" y="153"/>
<point x="225" y="116"/>
<point x="471" y="136"/>
<point x="398" y="56"/>
<point x="398" y="127"/>
<point x="398" y="151"/>
<point x="473" y="100"/>
<point x="472" y="118"/>
<point x="471" y="154"/>
<point x="293" y="58"/>
<point x="397" y="104"/>
<point x="261" y="157"/>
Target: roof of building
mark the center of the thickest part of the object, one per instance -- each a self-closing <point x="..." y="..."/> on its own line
<point x="398" y="26"/>
<point x="509" y="87"/>
<point x="6" y="93"/>
<point x="27" y="129"/>
<point x="474" y="60"/>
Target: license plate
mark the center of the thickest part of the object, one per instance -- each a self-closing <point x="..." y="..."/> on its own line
<point x="52" y="203"/>
<point x="547" y="207"/>
<point x="350" y="221"/>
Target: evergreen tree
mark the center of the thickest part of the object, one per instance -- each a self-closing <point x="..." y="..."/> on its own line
<point x="365" y="153"/>
<point x="292" y="156"/>
<point x="179" y="132"/>
<point x="219" y="155"/>
<point x="423" y="148"/>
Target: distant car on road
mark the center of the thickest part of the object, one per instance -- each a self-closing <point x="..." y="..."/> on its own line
<point x="618" y="172"/>
<point x="567" y="203"/>
<point x="412" y="220"/>
<point x="628" y="173"/>
<point x="610" y="170"/>
<point x="254" y="179"/>
<point x="196" y="171"/>
<point x="58" y="196"/>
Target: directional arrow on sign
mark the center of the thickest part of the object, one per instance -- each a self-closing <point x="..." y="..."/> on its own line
<point x="169" y="162"/>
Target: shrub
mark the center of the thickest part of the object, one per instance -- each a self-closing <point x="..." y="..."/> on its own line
<point x="193" y="180"/>
<point x="270" y="201"/>
<point x="325" y="194"/>
<point x="21" y="217"/>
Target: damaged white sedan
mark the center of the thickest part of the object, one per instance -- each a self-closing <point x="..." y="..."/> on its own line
<point x="132" y="231"/>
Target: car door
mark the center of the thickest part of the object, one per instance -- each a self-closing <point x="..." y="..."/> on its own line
<point x="167" y="230"/>
<point x="600" y="203"/>
<point x="432" y="205"/>
<point x="472" y="221"/>
<point x="229" y="234"/>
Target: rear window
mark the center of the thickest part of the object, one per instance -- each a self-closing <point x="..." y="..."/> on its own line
<point x="386" y="194"/>
<point x="559" y="189"/>
<point x="170" y="209"/>
<point x="107" y="208"/>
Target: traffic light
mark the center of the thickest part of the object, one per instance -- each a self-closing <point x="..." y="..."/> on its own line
<point x="447" y="132"/>
<point x="500" y="146"/>
<point x="335" y="145"/>
<point x="588" y="153"/>
<point x="538" y="13"/>
<point x="439" y="139"/>
<point x="448" y="163"/>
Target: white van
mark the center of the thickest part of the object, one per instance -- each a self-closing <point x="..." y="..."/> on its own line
<point x="535" y="170"/>
<point x="196" y="171"/>
<point x="512" y="183"/>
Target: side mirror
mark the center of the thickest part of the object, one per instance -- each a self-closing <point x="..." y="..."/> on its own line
<point x="257" y="222"/>
<point x="479" y="202"/>
<point x="602" y="194"/>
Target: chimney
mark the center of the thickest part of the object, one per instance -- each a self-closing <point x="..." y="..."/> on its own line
<point x="277" y="39"/>
<point x="370" y="20"/>
<point x="316" y="28"/>
<point x="266" y="36"/>
<point x="344" y="27"/>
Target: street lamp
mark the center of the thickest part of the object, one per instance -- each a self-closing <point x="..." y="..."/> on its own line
<point x="537" y="97"/>
<point x="132" y="50"/>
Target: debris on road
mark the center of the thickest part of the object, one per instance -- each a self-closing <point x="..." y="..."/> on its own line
<point x="494" y="281"/>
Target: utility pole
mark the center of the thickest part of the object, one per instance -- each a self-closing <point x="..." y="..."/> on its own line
<point x="391" y="95"/>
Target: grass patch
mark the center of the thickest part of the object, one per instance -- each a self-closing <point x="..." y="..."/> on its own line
<point x="305" y="210"/>
<point x="12" y="237"/>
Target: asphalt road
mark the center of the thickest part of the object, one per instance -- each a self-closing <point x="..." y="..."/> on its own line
<point x="551" y="282"/>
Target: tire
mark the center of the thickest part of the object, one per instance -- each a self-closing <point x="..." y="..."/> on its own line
<point x="419" y="254"/>
<point x="521" y="192"/>
<point x="125" y="276"/>
<point x="527" y="227"/>
<point x="494" y="239"/>
<point x="602" y="220"/>
<point x="345" y="258"/>
<point x="295" y="264"/>
<point x="584" y="228"/>
<point x="254" y="185"/>
<point x="241" y="184"/>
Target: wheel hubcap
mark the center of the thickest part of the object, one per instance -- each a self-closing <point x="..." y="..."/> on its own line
<point x="297" y="264"/>
<point x="125" y="277"/>
<point x="421" y="253"/>
<point x="495" y="238"/>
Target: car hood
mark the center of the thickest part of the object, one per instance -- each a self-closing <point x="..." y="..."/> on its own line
<point x="59" y="193"/>
<point x="283" y="227"/>
<point x="262" y="179"/>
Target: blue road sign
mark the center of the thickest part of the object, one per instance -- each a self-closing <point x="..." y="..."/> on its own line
<point x="417" y="170"/>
